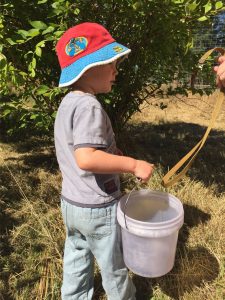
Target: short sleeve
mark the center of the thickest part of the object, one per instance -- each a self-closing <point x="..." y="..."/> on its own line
<point x="89" y="127"/>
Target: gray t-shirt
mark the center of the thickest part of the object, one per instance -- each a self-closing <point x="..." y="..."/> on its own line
<point x="82" y="122"/>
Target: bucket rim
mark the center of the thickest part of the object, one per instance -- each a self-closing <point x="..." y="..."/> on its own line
<point x="163" y="224"/>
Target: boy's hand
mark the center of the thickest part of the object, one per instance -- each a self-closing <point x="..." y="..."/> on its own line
<point x="143" y="170"/>
<point x="220" y="72"/>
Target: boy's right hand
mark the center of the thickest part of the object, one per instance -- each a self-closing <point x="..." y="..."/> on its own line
<point x="143" y="170"/>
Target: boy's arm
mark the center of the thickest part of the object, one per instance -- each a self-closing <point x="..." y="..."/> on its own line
<point x="98" y="161"/>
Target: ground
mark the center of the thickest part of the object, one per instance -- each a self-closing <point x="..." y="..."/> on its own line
<point x="31" y="228"/>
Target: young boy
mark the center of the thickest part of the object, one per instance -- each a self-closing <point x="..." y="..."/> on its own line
<point x="90" y="163"/>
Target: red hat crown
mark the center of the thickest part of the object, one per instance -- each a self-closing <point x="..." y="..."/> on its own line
<point x="81" y="40"/>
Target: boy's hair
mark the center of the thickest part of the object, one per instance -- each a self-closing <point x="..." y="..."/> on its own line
<point x="84" y="46"/>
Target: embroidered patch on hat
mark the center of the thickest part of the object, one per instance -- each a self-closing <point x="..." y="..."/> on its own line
<point x="118" y="49"/>
<point x="76" y="46"/>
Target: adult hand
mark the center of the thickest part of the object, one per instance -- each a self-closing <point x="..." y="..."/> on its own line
<point x="220" y="72"/>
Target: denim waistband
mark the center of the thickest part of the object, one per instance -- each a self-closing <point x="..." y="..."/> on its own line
<point x="91" y="205"/>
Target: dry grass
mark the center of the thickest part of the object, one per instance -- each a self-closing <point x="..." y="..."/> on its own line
<point x="31" y="228"/>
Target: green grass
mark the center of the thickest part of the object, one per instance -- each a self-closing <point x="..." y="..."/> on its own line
<point x="32" y="232"/>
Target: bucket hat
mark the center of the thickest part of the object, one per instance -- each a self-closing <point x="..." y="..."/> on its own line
<point x="84" y="46"/>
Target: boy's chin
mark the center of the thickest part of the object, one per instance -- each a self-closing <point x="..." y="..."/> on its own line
<point x="105" y="91"/>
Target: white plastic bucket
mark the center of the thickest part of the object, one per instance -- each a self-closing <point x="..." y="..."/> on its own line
<point x="150" y="222"/>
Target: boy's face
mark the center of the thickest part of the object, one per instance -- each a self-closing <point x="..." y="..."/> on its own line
<point x="100" y="79"/>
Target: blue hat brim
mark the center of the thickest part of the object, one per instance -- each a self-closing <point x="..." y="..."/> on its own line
<point x="105" y="55"/>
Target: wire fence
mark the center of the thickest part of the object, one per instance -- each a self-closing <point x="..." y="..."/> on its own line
<point x="207" y="37"/>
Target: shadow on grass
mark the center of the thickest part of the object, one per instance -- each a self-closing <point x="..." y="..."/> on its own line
<point x="197" y="266"/>
<point x="24" y="168"/>
<point x="192" y="269"/>
<point x="167" y="143"/>
<point x="45" y="161"/>
<point x="163" y="144"/>
<point x="36" y="152"/>
<point x="9" y="197"/>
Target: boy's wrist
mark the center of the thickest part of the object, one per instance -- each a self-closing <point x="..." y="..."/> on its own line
<point x="133" y="165"/>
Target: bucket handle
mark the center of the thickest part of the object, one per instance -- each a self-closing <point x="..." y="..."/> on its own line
<point x="125" y="207"/>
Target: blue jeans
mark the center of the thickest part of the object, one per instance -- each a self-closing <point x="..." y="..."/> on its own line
<point x="93" y="232"/>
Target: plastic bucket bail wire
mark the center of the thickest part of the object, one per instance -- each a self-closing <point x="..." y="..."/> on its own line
<point x="138" y="180"/>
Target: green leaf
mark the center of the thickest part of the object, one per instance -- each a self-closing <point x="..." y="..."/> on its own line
<point x="58" y="33"/>
<point x="178" y="1"/>
<point x="7" y="5"/>
<point x="41" y="44"/>
<point x="76" y="11"/>
<point x="6" y="112"/>
<point x="33" y="117"/>
<point x="32" y="74"/>
<point x="38" y="24"/>
<point x="20" y="41"/>
<point x="192" y="6"/>
<point x="54" y="5"/>
<point x="219" y="4"/>
<point x="32" y="66"/>
<point x="23" y="125"/>
<point x="10" y="41"/>
<point x="2" y="61"/>
<point x="42" y="89"/>
<point x="208" y="7"/>
<point x="204" y="18"/>
<point x="28" y="53"/>
<point x="58" y="4"/>
<point x="108" y="101"/>
<point x="137" y="5"/>
<point x="38" y="51"/>
<point x="23" y="74"/>
<point x="42" y="1"/>
<point x="49" y="29"/>
<point x="23" y="33"/>
<point x="33" y="32"/>
<point x="2" y="56"/>
<point x="33" y="63"/>
<point x="54" y="114"/>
